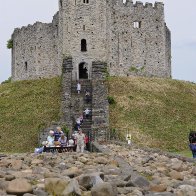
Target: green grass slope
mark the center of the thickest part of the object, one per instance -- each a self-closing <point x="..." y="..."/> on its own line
<point x="157" y="112"/>
<point x="24" y="106"/>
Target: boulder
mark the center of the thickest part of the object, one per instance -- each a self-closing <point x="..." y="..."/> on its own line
<point x="90" y="180"/>
<point x="104" y="189"/>
<point x="185" y="190"/>
<point x="9" y="177"/>
<point x="64" y="187"/>
<point x="16" y="164"/>
<point x="160" y="194"/>
<point x="3" y="185"/>
<point x="72" y="172"/>
<point x="37" y="162"/>
<point x="158" y="187"/>
<point x="176" y="175"/>
<point x="101" y="160"/>
<point x="177" y="165"/>
<point x="87" y="193"/>
<point x="83" y="160"/>
<point x="141" y="182"/>
<point x="2" y="174"/>
<point x="19" y="186"/>
<point x="194" y="171"/>
<point x="72" y="189"/>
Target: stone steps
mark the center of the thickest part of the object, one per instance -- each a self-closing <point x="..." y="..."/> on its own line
<point x="80" y="99"/>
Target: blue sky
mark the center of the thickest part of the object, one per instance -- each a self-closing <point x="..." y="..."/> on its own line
<point x="180" y="18"/>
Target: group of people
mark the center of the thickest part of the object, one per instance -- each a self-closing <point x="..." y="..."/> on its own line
<point x="58" y="139"/>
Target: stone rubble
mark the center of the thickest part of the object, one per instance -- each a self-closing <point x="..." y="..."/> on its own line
<point x="122" y="171"/>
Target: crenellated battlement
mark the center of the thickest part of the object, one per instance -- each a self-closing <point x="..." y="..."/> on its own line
<point x="135" y="40"/>
<point x="139" y="4"/>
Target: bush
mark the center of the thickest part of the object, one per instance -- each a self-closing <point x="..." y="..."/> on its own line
<point x="7" y="81"/>
<point x="10" y="44"/>
<point x="65" y="129"/>
<point x="111" y="100"/>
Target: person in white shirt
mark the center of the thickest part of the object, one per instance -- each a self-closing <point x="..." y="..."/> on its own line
<point x="78" y="87"/>
<point x="80" y="141"/>
<point x="87" y="112"/>
<point x="78" y="122"/>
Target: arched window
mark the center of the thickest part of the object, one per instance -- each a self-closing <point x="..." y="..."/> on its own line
<point x="83" y="45"/>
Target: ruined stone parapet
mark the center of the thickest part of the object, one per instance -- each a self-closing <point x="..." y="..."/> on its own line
<point x="66" y="107"/>
<point x="100" y="106"/>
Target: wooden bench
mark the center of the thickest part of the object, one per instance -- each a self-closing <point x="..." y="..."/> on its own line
<point x="60" y="149"/>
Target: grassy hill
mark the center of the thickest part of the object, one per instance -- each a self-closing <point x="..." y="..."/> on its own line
<point x="157" y="112"/>
<point x="24" y="107"/>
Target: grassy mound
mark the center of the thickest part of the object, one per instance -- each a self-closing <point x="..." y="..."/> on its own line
<point x="24" y="107"/>
<point x="157" y="112"/>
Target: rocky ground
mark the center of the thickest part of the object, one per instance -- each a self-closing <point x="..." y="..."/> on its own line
<point x="115" y="171"/>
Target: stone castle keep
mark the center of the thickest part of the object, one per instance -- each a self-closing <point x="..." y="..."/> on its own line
<point x="132" y="39"/>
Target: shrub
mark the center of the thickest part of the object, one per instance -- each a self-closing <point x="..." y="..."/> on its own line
<point x="10" y="44"/>
<point x="65" y="129"/>
<point x="111" y="100"/>
<point x="7" y="81"/>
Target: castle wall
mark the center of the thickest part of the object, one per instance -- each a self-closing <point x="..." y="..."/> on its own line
<point x="35" y="53"/>
<point x="84" y="21"/>
<point x="139" y="50"/>
<point x="132" y="39"/>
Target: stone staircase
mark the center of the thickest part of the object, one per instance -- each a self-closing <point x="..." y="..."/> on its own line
<point x="79" y="105"/>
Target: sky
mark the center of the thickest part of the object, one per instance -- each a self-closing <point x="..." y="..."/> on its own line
<point x="179" y="15"/>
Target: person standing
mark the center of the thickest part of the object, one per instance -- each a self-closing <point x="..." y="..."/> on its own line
<point x="80" y="140"/>
<point x="78" y="87"/>
<point x="87" y="113"/>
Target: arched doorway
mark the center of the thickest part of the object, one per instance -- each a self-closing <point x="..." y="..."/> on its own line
<point x="83" y="71"/>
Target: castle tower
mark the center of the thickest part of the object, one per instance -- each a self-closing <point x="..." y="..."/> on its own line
<point x="83" y="34"/>
<point x="132" y="39"/>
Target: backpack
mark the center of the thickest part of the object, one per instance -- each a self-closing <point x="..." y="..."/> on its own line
<point x="192" y="136"/>
<point x="193" y="147"/>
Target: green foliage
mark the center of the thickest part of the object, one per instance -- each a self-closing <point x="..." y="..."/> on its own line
<point x="130" y="97"/>
<point x="10" y="44"/>
<point x="135" y="69"/>
<point x="65" y="128"/>
<point x="159" y="113"/>
<point x="7" y="81"/>
<point x="107" y="74"/>
<point x="111" y="100"/>
<point x="25" y="108"/>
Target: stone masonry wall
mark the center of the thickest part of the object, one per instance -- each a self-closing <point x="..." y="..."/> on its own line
<point x="140" y="50"/>
<point x="84" y="21"/>
<point x="66" y="93"/>
<point x="35" y="53"/>
<point x="132" y="39"/>
<point x="100" y="106"/>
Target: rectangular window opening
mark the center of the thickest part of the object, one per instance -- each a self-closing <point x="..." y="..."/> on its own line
<point x="26" y="66"/>
<point x="137" y="24"/>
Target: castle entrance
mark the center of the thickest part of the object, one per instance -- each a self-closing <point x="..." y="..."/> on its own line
<point x="83" y="71"/>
